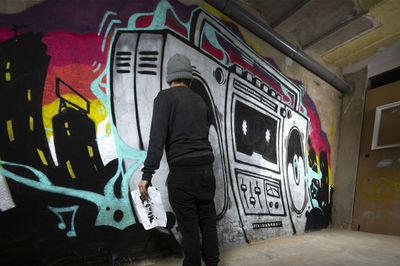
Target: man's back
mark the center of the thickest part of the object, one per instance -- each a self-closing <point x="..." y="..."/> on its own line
<point x="181" y="123"/>
<point x="188" y="124"/>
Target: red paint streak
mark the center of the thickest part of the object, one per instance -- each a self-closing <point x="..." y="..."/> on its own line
<point x="144" y="21"/>
<point x="73" y="59"/>
<point x="6" y="34"/>
<point x="77" y="76"/>
<point x="104" y="80"/>
<point x="257" y="72"/>
<point x="174" y="24"/>
<point x="67" y="48"/>
<point x="317" y="141"/>
<point x="206" y="46"/>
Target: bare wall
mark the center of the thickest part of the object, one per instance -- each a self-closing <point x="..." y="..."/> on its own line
<point x="349" y="148"/>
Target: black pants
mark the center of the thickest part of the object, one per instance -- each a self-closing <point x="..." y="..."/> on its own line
<point x="191" y="195"/>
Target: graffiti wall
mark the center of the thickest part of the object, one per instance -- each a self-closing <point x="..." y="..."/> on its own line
<point x="77" y="83"/>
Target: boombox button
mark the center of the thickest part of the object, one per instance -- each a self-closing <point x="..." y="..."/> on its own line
<point x="257" y="82"/>
<point x="249" y="76"/>
<point x="289" y="114"/>
<point x="283" y="112"/>
<point x="276" y="205"/>
<point x="239" y="70"/>
<point x="253" y="200"/>
<point x="265" y="88"/>
<point x="219" y="75"/>
<point x="271" y="204"/>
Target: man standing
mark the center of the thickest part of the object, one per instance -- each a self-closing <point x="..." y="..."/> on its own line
<point x="181" y="122"/>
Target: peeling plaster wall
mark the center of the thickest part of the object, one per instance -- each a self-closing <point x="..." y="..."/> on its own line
<point x="384" y="60"/>
<point x="386" y="13"/>
<point x="78" y="79"/>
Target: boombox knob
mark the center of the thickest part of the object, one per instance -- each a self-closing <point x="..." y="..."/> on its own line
<point x="289" y="114"/>
<point x="283" y="112"/>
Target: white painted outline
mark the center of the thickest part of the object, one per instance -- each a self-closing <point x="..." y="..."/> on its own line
<point x="377" y="124"/>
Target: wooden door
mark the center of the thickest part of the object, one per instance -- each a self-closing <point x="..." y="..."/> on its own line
<point x="377" y="197"/>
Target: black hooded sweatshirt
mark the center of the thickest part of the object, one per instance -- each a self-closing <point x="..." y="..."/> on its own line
<point x="180" y="122"/>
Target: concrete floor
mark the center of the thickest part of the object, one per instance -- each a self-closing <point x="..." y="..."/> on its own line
<point x="326" y="247"/>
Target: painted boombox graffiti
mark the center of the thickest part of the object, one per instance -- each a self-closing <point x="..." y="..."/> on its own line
<point x="258" y="132"/>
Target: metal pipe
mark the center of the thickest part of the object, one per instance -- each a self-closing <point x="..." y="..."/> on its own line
<point x="269" y="35"/>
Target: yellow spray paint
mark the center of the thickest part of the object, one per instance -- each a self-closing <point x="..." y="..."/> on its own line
<point x="42" y="157"/>
<point x="10" y="131"/>
<point x="90" y="150"/>
<point x="331" y="125"/>
<point x="256" y="45"/>
<point x="318" y="168"/>
<point x="381" y="185"/>
<point x="70" y="170"/>
<point x="97" y="111"/>
<point x="8" y="74"/>
<point x="66" y="129"/>
<point x="31" y="123"/>
<point x="214" y="11"/>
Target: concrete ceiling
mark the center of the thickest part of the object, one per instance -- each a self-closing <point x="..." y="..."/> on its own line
<point x="342" y="32"/>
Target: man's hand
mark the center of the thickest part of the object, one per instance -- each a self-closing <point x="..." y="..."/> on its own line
<point x="143" y="185"/>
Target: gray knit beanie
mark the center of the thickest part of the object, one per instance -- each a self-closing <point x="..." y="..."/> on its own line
<point x="179" y="67"/>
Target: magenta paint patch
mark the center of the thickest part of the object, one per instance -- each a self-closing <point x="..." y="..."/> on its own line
<point x="67" y="48"/>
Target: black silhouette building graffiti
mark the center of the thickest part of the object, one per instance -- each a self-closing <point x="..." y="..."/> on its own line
<point x="319" y="217"/>
<point x="75" y="142"/>
<point x="23" y="70"/>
